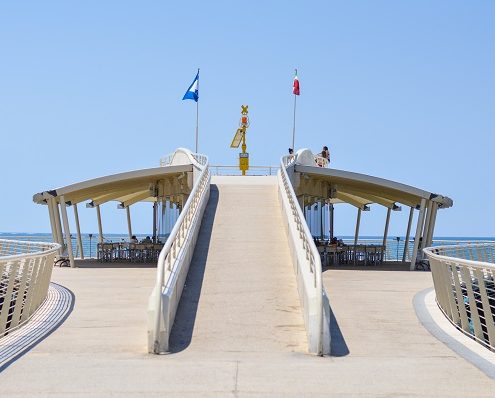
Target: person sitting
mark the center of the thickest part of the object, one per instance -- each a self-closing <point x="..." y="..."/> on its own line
<point x="323" y="158"/>
<point x="134" y="239"/>
<point x="146" y="240"/>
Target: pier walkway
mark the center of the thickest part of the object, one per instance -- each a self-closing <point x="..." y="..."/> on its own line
<point x="239" y="329"/>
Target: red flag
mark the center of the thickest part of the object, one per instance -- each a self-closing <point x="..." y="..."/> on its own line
<point x="295" y="86"/>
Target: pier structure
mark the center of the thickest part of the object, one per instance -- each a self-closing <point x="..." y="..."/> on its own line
<point x="239" y="298"/>
<point x="327" y="187"/>
<point x="167" y="185"/>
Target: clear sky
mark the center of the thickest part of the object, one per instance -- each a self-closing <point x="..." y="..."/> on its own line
<point x="396" y="89"/>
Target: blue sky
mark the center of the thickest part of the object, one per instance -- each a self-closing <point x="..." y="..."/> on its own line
<point x="400" y="90"/>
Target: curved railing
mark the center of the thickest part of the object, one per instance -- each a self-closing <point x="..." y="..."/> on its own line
<point x="176" y="255"/>
<point x="25" y="271"/>
<point x="464" y="280"/>
<point x="307" y="265"/>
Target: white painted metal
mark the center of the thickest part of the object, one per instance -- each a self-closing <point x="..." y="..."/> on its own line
<point x="426" y="228"/>
<point x="78" y="231"/>
<point x="358" y="222"/>
<point x="331" y="215"/>
<point x="385" y="232"/>
<point x="58" y="224"/>
<point x="53" y="225"/>
<point x="419" y="229"/>
<point x="176" y="255"/>
<point x="100" y="228"/>
<point x="25" y="271"/>
<point x="307" y="265"/>
<point x="465" y="288"/>
<point x="218" y="170"/>
<point x="408" y="234"/>
<point x="431" y="228"/>
<point x="129" y="225"/>
<point x="65" y="219"/>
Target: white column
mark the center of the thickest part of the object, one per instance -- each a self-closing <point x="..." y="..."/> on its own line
<point x="100" y="229"/>
<point x="65" y="220"/>
<point x="431" y="228"/>
<point x="331" y="215"/>
<point x="408" y="233"/>
<point x="53" y="227"/>
<point x="419" y="230"/>
<point x="154" y="221"/>
<point x="129" y="226"/>
<point x="358" y="221"/>
<point x="426" y="227"/>
<point x="58" y="224"/>
<point x="322" y="207"/>
<point x="385" y="232"/>
<point x="78" y="231"/>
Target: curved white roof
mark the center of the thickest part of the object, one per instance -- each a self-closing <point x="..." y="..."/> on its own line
<point x="363" y="189"/>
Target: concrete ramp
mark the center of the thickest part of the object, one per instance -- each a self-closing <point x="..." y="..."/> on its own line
<point x="241" y="293"/>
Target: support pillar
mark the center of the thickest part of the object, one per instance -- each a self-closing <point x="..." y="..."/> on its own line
<point x="426" y="227"/>
<point x="358" y="221"/>
<point x="52" y="220"/>
<point x="58" y="223"/>
<point x="385" y="232"/>
<point x="331" y="216"/>
<point x="78" y="231"/>
<point x="322" y="205"/>
<point x="408" y="233"/>
<point x="129" y="226"/>
<point x="65" y="220"/>
<point x="385" y="235"/>
<point x="154" y="222"/>
<point x="100" y="229"/>
<point x="419" y="230"/>
<point x="431" y="228"/>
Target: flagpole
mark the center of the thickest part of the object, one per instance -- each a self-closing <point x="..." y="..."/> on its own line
<point x="294" y="122"/>
<point x="197" y="117"/>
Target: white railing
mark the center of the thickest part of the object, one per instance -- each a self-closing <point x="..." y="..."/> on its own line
<point x="25" y="272"/>
<point x="176" y="255"/>
<point x="464" y="280"/>
<point x="219" y="170"/>
<point x="307" y="266"/>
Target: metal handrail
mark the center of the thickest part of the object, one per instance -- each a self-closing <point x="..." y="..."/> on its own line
<point x="464" y="281"/>
<point x="24" y="280"/>
<point x="272" y="170"/>
<point x="312" y="254"/>
<point x="42" y="248"/>
<point x="178" y="235"/>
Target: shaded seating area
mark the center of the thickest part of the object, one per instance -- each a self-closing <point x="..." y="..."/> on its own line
<point x="360" y="254"/>
<point x="131" y="252"/>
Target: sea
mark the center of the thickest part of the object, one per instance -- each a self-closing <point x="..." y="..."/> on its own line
<point x="394" y="246"/>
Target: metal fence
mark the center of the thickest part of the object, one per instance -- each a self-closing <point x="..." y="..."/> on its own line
<point x="463" y="276"/>
<point x="307" y="266"/>
<point x="25" y="271"/>
<point x="218" y="170"/>
<point x="174" y="260"/>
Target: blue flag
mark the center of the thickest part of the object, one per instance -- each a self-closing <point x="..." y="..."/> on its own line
<point x="193" y="90"/>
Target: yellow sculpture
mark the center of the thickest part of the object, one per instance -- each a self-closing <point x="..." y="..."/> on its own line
<point x="239" y="136"/>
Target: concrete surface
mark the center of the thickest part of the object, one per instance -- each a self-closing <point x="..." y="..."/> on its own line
<point x="239" y="331"/>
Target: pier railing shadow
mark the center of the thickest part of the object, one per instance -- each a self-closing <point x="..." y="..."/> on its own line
<point x="185" y="318"/>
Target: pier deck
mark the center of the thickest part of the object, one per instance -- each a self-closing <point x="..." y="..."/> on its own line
<point x="239" y="331"/>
